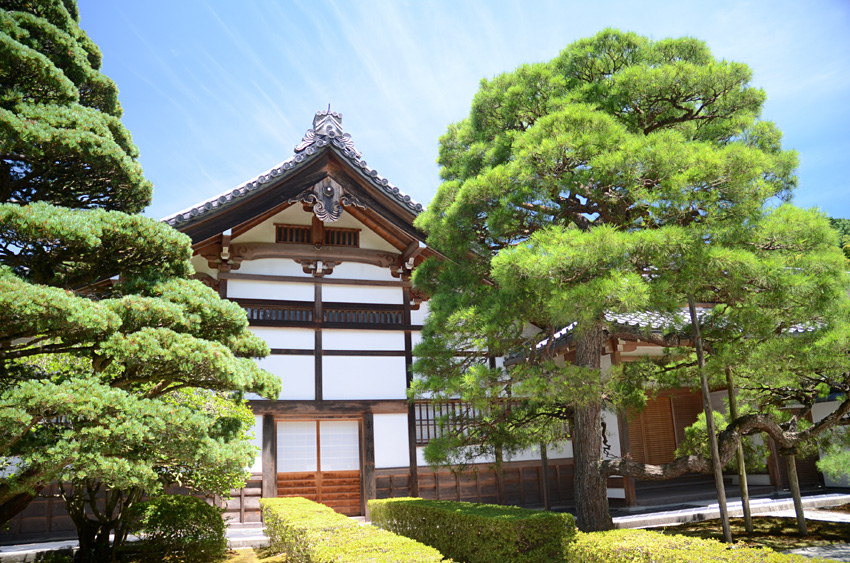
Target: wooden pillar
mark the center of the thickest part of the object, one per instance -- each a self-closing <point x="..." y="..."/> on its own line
<point x="367" y="464"/>
<point x="317" y="341"/>
<point x="411" y="412"/>
<point x="269" y="457"/>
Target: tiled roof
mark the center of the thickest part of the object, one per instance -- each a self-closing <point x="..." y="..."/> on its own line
<point x="326" y="131"/>
<point x="653" y="321"/>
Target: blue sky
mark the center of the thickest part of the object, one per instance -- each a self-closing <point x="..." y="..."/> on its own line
<point x="217" y="92"/>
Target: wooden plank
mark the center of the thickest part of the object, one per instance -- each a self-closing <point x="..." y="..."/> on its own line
<point x="368" y="462"/>
<point x="311" y="279"/>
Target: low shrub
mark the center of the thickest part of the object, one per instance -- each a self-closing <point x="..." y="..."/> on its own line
<point x="477" y="532"/>
<point x="308" y="532"/>
<point x="645" y="546"/>
<point x="183" y="528"/>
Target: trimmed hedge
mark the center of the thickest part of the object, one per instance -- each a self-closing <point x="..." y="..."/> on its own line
<point x="309" y="532"/>
<point x="646" y="546"/>
<point x="477" y="532"/>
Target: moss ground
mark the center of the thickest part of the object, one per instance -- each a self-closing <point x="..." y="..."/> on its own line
<point x="779" y="534"/>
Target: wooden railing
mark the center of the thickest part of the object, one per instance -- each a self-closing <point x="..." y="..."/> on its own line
<point x="267" y="312"/>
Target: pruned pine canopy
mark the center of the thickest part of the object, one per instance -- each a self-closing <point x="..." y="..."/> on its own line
<point x="625" y="175"/>
<point x="115" y="366"/>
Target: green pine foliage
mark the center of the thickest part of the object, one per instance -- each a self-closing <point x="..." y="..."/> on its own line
<point x="117" y="369"/>
<point x="625" y="175"/>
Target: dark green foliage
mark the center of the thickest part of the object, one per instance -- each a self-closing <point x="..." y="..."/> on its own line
<point x="843" y="228"/>
<point x="308" y="532"/>
<point x="180" y="528"/>
<point x="477" y="533"/>
<point x="644" y="546"/>
<point x="118" y="371"/>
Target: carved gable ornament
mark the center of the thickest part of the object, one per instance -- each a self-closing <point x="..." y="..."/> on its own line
<point x="328" y="199"/>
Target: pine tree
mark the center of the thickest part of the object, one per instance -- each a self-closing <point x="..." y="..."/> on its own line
<point x="587" y="185"/>
<point x="116" y="368"/>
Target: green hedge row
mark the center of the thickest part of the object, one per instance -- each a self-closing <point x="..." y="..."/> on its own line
<point x="477" y="532"/>
<point x="645" y="546"/>
<point x="308" y="532"/>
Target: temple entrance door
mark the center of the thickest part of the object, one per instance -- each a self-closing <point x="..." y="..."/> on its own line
<point x="320" y="460"/>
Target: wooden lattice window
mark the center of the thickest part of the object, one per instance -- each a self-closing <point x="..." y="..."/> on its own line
<point x="300" y="234"/>
<point x="329" y="236"/>
<point x="335" y="236"/>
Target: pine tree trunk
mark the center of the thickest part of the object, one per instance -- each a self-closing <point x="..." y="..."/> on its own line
<point x="591" y="494"/>
<point x="794" y="483"/>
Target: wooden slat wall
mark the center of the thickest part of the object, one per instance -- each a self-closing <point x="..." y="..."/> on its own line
<point x="338" y="489"/>
<point x="522" y="483"/>
<point x="657" y="430"/>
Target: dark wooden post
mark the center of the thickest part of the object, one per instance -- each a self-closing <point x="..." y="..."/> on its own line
<point x="411" y="412"/>
<point x="367" y="463"/>
<point x="269" y="457"/>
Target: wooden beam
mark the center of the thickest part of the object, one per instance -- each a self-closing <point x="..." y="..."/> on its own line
<point x="294" y="251"/>
<point x="269" y="457"/>
<point x="306" y="408"/>
<point x="413" y="250"/>
<point x="367" y="471"/>
<point x="311" y="279"/>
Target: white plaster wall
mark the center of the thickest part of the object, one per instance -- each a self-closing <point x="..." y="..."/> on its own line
<point x="250" y="289"/>
<point x="563" y="450"/>
<point x="391" y="448"/>
<point x="418" y="316"/>
<point x="415" y="337"/>
<point x="819" y="412"/>
<point x="297" y="375"/>
<point x="362" y="340"/>
<point x="358" y="377"/>
<point x="265" y="231"/>
<point x="257" y="440"/>
<point x="361" y="294"/>
<point x="368" y="238"/>
<point x="358" y="271"/>
<point x="272" y="267"/>
<point x="202" y="266"/>
<point x="294" y="338"/>
<point x="612" y="432"/>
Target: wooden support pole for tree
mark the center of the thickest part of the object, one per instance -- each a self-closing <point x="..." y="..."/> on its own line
<point x="709" y="421"/>
<point x="794" y="483"/>
<point x="742" y="469"/>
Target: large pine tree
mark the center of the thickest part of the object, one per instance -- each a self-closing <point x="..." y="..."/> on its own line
<point x="116" y="368"/>
<point x="598" y="183"/>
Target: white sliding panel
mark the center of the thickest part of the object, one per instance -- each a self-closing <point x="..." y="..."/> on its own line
<point x="286" y="291"/>
<point x="391" y="448"/>
<point x="296" y="446"/>
<point x="339" y="442"/>
<point x="361" y="294"/>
